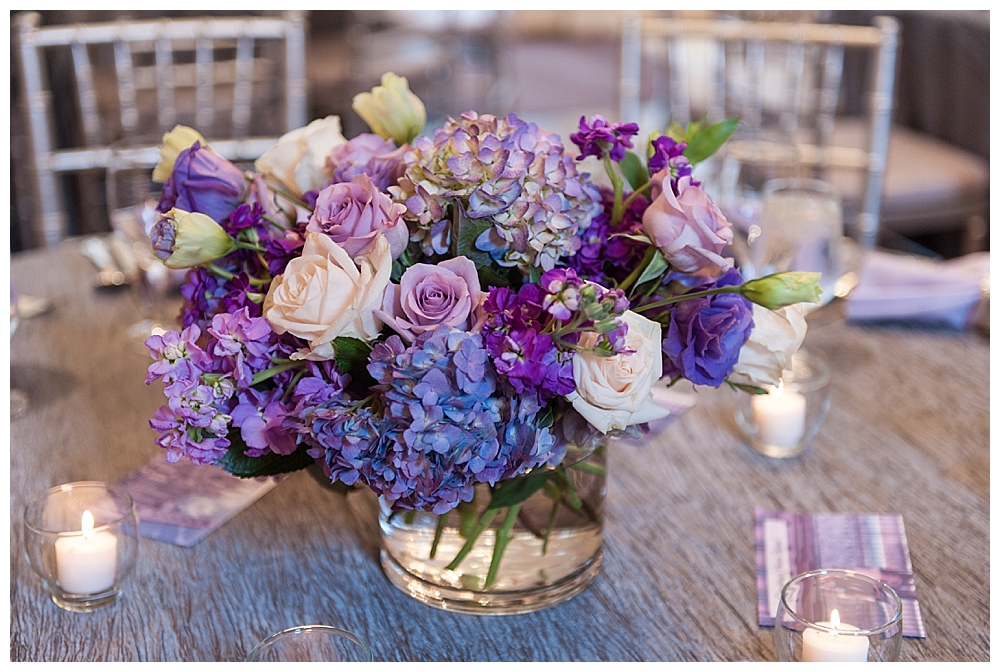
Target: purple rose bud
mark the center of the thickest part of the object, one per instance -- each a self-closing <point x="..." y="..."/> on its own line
<point x="202" y="181"/>
<point x="369" y="154"/>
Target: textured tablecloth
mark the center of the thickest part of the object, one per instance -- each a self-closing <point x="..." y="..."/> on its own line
<point x="908" y="433"/>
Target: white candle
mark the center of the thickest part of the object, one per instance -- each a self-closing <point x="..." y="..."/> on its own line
<point x="819" y="646"/>
<point x="780" y="416"/>
<point x="86" y="564"/>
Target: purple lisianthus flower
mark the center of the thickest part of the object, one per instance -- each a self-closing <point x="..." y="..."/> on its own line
<point x="706" y="334"/>
<point x="202" y="181"/>
<point x="371" y="154"/>
<point x="597" y="137"/>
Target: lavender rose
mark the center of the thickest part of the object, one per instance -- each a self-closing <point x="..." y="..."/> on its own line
<point x="354" y="213"/>
<point x="705" y="335"/>
<point x="370" y="154"/>
<point x="429" y="296"/>
<point x="689" y="229"/>
<point x="202" y="181"/>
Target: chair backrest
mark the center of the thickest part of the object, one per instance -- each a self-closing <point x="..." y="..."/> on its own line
<point x="770" y="75"/>
<point x="241" y="81"/>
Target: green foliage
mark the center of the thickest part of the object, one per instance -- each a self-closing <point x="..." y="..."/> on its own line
<point x="352" y="357"/>
<point x="749" y="389"/>
<point x="703" y="141"/>
<point x="238" y="464"/>
<point x="516" y="490"/>
<point x="634" y="170"/>
<point x="654" y="270"/>
<point x="466" y="232"/>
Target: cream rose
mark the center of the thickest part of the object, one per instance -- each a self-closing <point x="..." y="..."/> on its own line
<point x="615" y="392"/>
<point x="776" y="335"/>
<point x="323" y="294"/>
<point x="298" y="161"/>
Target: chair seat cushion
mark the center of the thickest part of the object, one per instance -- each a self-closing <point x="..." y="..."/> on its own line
<point x="929" y="185"/>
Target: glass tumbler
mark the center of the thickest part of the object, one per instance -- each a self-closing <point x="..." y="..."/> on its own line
<point x="82" y="539"/>
<point x="783" y="422"/>
<point x="838" y="615"/>
<point x="801" y="229"/>
<point x="132" y="199"/>
<point x="311" y="643"/>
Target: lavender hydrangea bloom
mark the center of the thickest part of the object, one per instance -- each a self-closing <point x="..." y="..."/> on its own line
<point x="705" y="335"/>
<point x="506" y="171"/>
<point x="597" y="137"/>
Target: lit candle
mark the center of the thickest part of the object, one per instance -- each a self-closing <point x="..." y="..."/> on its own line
<point x="86" y="563"/>
<point x="819" y="646"/>
<point x="780" y="417"/>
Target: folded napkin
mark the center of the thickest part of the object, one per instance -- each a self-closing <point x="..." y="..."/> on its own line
<point x="898" y="287"/>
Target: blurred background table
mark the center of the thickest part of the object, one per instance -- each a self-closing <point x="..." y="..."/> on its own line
<point x="908" y="433"/>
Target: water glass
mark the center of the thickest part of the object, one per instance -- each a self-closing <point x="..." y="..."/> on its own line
<point x="838" y="615"/>
<point x="132" y="199"/>
<point x="744" y="165"/>
<point x="311" y="643"/>
<point x="82" y="540"/>
<point x="801" y="229"/>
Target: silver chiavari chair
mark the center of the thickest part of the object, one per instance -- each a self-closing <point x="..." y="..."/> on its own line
<point x="738" y="77"/>
<point x="241" y="81"/>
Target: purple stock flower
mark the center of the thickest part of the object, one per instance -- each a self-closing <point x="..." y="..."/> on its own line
<point x="597" y="137"/>
<point x="202" y="181"/>
<point x="259" y="417"/>
<point x="706" y="334"/>
<point x="242" y="343"/>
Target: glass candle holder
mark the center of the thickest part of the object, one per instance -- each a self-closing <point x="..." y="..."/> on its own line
<point x="783" y="422"/>
<point x="311" y="643"/>
<point x="837" y="615"/>
<point x="82" y="539"/>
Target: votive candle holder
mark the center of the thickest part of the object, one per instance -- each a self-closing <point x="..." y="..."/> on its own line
<point x="82" y="540"/>
<point x="311" y="643"/>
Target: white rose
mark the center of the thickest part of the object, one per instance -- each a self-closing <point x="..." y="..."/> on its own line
<point x="298" y="161"/>
<point x="615" y="392"/>
<point x="323" y="294"/>
<point x="776" y="335"/>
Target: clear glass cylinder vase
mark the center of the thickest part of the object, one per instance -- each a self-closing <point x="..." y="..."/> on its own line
<point x="485" y="557"/>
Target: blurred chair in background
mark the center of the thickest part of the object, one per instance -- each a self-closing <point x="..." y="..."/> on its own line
<point x="787" y="76"/>
<point x="241" y="81"/>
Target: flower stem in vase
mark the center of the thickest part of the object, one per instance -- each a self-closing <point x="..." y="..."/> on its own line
<point x="503" y="538"/>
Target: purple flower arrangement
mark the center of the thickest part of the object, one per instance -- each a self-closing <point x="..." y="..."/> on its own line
<point x="419" y="315"/>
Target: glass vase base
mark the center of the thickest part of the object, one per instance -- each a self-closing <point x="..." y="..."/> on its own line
<point x="86" y="603"/>
<point x="491" y="603"/>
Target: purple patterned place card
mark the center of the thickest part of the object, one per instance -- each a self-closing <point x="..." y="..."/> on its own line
<point x="789" y="544"/>
<point x="183" y="503"/>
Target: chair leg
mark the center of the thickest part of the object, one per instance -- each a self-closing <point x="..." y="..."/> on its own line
<point x="975" y="235"/>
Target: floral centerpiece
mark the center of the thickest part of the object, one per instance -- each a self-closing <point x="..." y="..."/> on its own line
<point x="456" y="321"/>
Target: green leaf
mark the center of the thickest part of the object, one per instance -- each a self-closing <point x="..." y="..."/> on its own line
<point x="638" y="237"/>
<point x="352" y="356"/>
<point x="634" y="170"/>
<point x="490" y="278"/>
<point x="516" y="490"/>
<point x="676" y="131"/>
<point x="704" y="142"/>
<point x="468" y="231"/>
<point x="239" y="464"/>
<point x="654" y="269"/>
<point x="750" y="389"/>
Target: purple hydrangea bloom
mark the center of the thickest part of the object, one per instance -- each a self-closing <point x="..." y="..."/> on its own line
<point x="706" y="334"/>
<point x="599" y="138"/>
<point x="202" y="181"/>
<point x="506" y="171"/>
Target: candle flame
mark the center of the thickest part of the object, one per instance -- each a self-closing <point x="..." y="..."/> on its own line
<point x="835" y="619"/>
<point x="87" y="524"/>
